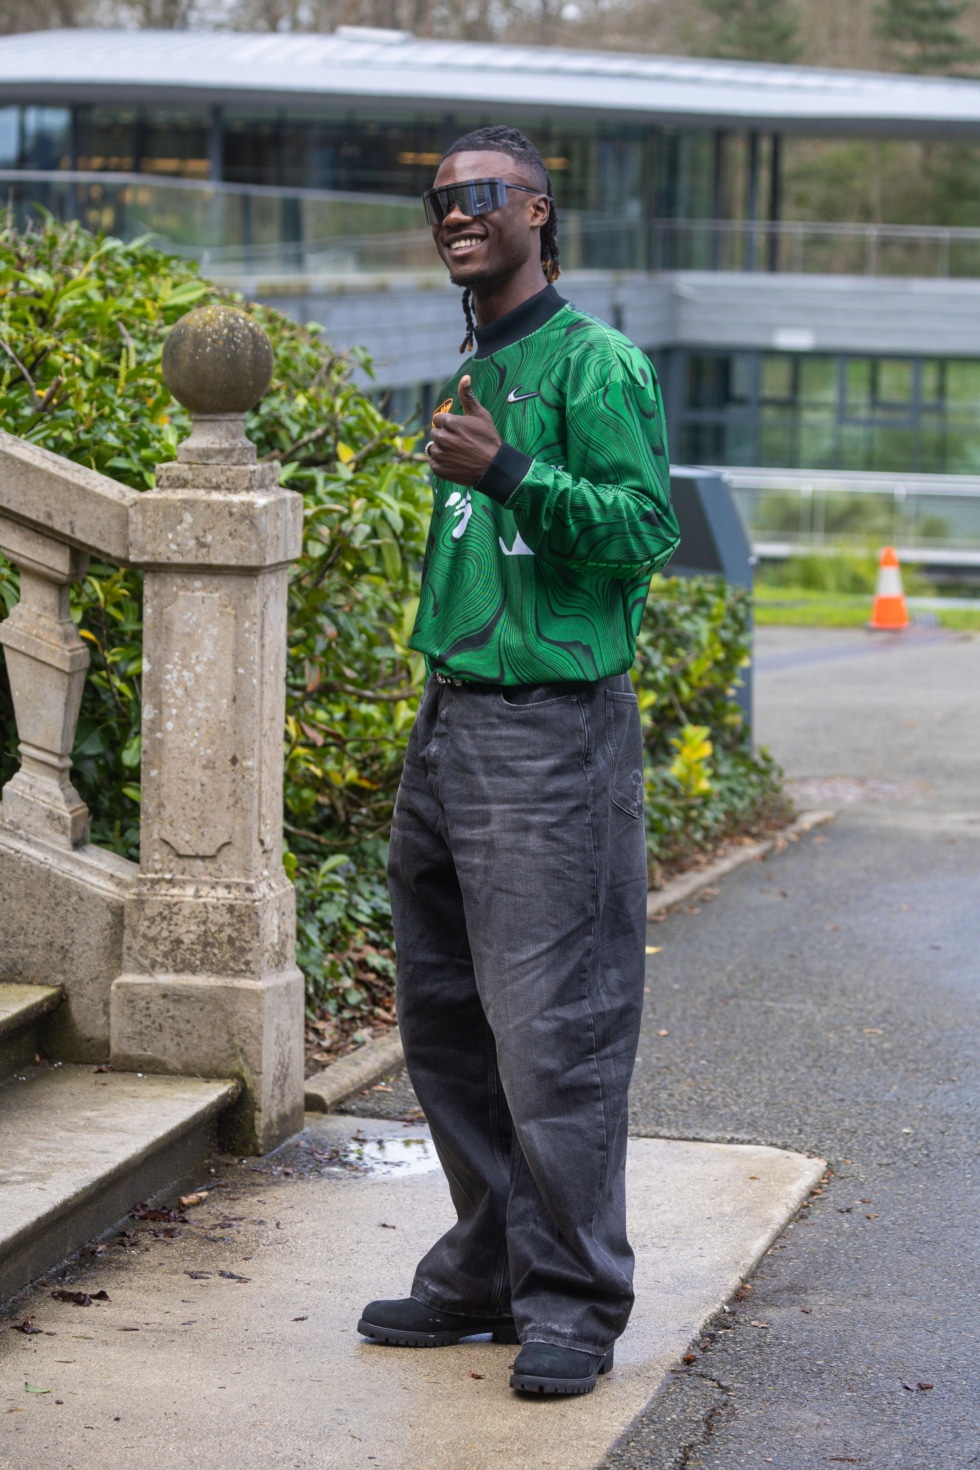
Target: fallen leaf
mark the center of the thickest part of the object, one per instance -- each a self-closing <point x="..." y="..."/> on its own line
<point x="753" y="1176"/>
<point x="28" y="1326"/>
<point x="874" y="1031"/>
<point x="689" y="1358"/>
<point x="233" y="1276"/>
<point x="806" y="1310"/>
<point x="103" y="1068"/>
<point x="198" y="1275"/>
<point x="871" y="1217"/>
<point x="383" y="1226"/>
<point x="917" y="1387"/>
<point x="128" y="1329"/>
<point x="300" y="1319"/>
<point x="663" y="1033"/>
<point x="759" y="1324"/>
<point x="475" y="1375"/>
<point x="186" y="1200"/>
<point x="144" y="1212"/>
<point x="36" y="1390"/>
<point x="80" y="1298"/>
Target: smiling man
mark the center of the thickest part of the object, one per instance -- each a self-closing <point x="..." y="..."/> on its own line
<point x="517" y="867"/>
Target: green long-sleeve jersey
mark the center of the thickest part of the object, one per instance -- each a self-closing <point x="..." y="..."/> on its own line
<point x="540" y="573"/>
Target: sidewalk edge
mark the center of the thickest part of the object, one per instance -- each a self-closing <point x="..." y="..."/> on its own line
<point x="688" y="884"/>
<point x="325" y="1089"/>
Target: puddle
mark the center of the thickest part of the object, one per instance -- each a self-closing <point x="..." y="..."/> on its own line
<point x="331" y="1151"/>
<point x="387" y="1155"/>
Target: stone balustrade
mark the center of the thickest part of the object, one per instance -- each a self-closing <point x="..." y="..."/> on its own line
<point x="184" y="964"/>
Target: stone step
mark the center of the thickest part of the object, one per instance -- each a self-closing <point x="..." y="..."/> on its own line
<point x="22" y="1008"/>
<point x="78" y="1148"/>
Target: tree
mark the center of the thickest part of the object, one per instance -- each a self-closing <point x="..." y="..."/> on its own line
<point x="754" y="30"/>
<point x="924" y="34"/>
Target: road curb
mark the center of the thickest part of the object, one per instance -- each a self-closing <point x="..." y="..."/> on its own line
<point x="688" y="884"/>
<point x="373" y="1060"/>
<point x="324" y="1090"/>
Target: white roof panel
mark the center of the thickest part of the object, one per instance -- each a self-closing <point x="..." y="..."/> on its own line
<point x="363" y="70"/>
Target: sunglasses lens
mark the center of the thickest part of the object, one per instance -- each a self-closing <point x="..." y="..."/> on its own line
<point x="476" y="196"/>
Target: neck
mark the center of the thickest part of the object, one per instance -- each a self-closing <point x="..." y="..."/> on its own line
<point x="494" y="299"/>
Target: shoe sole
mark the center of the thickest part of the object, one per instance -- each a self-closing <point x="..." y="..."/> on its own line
<point x="531" y="1383"/>
<point x="391" y="1337"/>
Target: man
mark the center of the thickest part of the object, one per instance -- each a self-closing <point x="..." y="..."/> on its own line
<point x="517" y="867"/>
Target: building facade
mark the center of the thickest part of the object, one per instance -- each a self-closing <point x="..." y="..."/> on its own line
<point x="291" y="165"/>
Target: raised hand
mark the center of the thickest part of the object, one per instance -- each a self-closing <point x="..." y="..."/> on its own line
<point x="462" y="446"/>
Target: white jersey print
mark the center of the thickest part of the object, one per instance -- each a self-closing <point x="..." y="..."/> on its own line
<point x="519" y="548"/>
<point x="462" y="506"/>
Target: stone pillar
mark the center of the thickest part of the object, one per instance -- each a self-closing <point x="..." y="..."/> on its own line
<point x="46" y="664"/>
<point x="210" y="985"/>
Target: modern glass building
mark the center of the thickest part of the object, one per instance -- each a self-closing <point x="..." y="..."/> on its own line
<point x="293" y="163"/>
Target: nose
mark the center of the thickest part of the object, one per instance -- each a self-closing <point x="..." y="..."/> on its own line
<point x="456" y="215"/>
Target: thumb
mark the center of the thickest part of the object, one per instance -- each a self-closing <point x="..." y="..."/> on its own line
<point x="468" y="400"/>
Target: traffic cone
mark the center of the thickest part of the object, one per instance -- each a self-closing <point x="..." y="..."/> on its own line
<point x="889" y="613"/>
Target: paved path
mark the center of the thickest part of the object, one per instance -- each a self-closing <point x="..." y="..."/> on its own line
<point x="232" y="1339"/>
<point x="828" y="1000"/>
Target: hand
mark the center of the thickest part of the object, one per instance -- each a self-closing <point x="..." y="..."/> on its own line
<point x="462" y="446"/>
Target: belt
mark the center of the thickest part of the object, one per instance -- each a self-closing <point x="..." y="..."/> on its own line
<point x="571" y="686"/>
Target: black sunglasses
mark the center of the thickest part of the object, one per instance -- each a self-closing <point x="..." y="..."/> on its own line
<point x="472" y="197"/>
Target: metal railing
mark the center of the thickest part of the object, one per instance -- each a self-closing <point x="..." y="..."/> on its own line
<point x="934" y="517"/>
<point x="244" y="228"/>
<point x="235" y="229"/>
<point x="815" y="248"/>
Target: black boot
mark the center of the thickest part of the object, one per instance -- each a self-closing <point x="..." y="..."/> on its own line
<point x="408" y="1323"/>
<point x="543" y="1368"/>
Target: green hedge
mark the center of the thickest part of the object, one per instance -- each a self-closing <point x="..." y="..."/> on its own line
<point x="82" y="323"/>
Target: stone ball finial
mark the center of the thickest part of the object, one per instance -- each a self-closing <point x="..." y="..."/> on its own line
<point x="217" y="360"/>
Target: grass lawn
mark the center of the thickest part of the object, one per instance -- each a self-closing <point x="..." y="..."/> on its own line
<point x="802" y="608"/>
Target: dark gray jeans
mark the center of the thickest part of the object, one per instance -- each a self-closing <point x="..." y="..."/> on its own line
<point x="518" y="888"/>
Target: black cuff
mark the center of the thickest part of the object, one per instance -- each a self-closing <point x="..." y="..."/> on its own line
<point x="504" y="473"/>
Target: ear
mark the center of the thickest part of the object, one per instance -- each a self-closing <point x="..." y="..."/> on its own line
<point x="539" y="208"/>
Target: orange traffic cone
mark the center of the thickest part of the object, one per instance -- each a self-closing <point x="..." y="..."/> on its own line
<point x="889" y="612"/>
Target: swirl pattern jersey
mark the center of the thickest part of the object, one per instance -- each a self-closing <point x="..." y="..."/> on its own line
<point x="541" y="573"/>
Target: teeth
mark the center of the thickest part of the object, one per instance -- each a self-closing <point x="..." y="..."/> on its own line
<point x="465" y="243"/>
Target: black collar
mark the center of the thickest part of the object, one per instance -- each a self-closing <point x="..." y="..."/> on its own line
<point x="521" y="322"/>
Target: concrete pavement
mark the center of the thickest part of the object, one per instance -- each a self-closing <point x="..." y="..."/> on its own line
<point x="234" y="1340"/>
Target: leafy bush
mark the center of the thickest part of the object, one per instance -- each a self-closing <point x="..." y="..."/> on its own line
<point x="82" y="323"/>
<point x="704" y="781"/>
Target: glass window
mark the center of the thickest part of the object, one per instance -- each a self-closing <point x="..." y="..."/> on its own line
<point x="46" y="138"/>
<point x="173" y="143"/>
<point x="9" y="137"/>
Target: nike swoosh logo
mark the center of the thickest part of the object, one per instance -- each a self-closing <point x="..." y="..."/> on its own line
<point x="516" y="396"/>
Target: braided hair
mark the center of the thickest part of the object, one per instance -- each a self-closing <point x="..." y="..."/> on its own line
<point x="499" y="139"/>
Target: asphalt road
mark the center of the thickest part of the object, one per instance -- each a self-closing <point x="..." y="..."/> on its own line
<point x="827" y="1000"/>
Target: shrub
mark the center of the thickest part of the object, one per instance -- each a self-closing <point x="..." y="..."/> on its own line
<point x="82" y="323"/>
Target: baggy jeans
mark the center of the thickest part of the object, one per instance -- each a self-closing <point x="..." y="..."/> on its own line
<point x="518" y="885"/>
